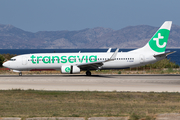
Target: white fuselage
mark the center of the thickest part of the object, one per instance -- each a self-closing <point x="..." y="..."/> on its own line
<point x="54" y="61"/>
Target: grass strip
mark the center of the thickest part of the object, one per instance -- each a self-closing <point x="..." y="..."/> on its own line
<point x="33" y="103"/>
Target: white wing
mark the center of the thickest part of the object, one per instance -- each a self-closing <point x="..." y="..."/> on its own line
<point x="96" y="65"/>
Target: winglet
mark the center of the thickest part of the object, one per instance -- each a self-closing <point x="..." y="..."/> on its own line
<point x="109" y="50"/>
<point x="113" y="56"/>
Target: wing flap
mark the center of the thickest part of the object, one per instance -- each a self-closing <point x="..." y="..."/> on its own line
<point x="90" y="66"/>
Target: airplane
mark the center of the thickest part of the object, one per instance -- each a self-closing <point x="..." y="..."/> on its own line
<point x="71" y="63"/>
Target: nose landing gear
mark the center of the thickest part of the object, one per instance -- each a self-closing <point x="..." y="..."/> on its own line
<point x="20" y="74"/>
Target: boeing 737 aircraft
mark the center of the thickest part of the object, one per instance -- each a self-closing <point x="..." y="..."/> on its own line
<point x="72" y="63"/>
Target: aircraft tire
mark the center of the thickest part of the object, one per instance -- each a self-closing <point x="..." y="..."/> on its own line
<point x="88" y="73"/>
<point x="20" y="74"/>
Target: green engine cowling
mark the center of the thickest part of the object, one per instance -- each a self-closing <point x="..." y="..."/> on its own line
<point x="70" y="69"/>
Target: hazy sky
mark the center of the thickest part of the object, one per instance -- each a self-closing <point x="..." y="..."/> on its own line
<point x="52" y="15"/>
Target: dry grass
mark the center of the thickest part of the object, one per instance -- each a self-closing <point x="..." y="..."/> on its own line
<point x="31" y="103"/>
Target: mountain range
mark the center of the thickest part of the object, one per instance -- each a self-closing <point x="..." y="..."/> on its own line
<point x="129" y="37"/>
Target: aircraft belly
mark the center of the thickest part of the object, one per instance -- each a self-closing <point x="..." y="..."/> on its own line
<point x="31" y="66"/>
<point x="119" y="64"/>
<point x="115" y="65"/>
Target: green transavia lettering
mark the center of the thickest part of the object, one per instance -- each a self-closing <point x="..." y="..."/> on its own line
<point x="62" y="59"/>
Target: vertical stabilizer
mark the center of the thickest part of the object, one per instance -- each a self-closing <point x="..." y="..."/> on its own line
<point x="158" y="43"/>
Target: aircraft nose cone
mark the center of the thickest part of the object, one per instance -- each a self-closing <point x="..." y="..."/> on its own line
<point x="5" y="64"/>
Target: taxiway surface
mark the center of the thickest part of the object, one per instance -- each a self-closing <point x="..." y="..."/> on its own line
<point x="143" y="83"/>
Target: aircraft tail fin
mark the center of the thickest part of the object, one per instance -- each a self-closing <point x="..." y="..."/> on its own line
<point x="158" y="43"/>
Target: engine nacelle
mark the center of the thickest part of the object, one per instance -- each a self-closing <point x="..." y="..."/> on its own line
<point x="70" y="69"/>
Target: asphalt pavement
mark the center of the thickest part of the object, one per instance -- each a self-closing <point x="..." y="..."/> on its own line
<point x="141" y="83"/>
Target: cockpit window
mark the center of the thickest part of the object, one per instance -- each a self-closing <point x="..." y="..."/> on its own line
<point x="12" y="60"/>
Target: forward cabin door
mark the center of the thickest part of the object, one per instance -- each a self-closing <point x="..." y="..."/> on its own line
<point x="24" y="60"/>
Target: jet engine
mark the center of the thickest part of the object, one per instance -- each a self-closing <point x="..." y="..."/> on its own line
<point x="70" y="69"/>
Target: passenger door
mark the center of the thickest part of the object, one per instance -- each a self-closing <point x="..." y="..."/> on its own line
<point x="24" y="60"/>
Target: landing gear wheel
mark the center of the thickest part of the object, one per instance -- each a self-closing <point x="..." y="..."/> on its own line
<point x="20" y="74"/>
<point x="88" y="73"/>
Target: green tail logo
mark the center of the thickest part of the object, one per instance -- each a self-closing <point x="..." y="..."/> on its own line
<point x="159" y="41"/>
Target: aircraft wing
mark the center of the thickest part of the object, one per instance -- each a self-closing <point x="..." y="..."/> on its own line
<point x="96" y="65"/>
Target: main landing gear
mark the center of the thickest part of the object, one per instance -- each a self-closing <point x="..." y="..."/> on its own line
<point x="20" y="74"/>
<point x="88" y="73"/>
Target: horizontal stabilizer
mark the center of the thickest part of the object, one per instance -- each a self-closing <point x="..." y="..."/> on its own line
<point x="164" y="54"/>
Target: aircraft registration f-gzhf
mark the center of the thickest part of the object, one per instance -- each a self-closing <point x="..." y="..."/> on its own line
<point x="72" y="63"/>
